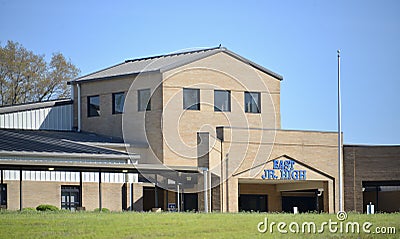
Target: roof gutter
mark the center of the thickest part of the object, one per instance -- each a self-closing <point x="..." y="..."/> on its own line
<point x="81" y="80"/>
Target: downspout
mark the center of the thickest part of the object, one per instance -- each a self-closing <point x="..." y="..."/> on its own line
<point x="205" y="174"/>
<point x="79" y="106"/>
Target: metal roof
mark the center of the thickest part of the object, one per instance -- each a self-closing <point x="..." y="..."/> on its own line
<point x="55" y="143"/>
<point x="69" y="151"/>
<point x="34" y="105"/>
<point x="164" y="63"/>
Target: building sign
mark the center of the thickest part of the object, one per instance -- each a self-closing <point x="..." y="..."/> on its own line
<point x="171" y="207"/>
<point x="284" y="170"/>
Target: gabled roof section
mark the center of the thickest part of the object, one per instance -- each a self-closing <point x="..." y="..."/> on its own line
<point x="164" y="63"/>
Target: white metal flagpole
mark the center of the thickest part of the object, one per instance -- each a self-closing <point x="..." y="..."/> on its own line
<point x="340" y="166"/>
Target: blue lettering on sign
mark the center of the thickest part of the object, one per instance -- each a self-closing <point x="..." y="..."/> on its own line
<point x="269" y="174"/>
<point x="286" y="169"/>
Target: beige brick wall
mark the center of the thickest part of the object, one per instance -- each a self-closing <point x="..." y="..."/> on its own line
<point x="137" y="197"/>
<point x="132" y="197"/>
<point x="231" y="198"/>
<point x="144" y="127"/>
<point x="35" y="193"/>
<point x="111" y="196"/>
<point x="219" y="71"/>
<point x="13" y="195"/>
<point x="225" y="72"/>
<point x="107" y="123"/>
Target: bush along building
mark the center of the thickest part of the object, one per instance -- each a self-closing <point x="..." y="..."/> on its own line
<point x="190" y="131"/>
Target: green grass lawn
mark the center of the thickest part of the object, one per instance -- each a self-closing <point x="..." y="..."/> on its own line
<point x="175" y="225"/>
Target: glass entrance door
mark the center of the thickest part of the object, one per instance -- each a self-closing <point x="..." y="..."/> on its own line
<point x="253" y="203"/>
<point x="70" y="197"/>
<point x="304" y="200"/>
<point x="190" y="202"/>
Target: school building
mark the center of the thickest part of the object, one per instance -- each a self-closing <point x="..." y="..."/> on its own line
<point x="190" y="131"/>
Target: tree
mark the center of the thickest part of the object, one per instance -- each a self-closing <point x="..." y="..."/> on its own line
<point x="27" y="77"/>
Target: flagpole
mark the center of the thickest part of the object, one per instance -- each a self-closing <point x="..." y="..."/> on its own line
<point x="340" y="166"/>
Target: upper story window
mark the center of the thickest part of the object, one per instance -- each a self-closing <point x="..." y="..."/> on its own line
<point x="191" y="99"/>
<point x="144" y="101"/>
<point x="222" y="100"/>
<point x="93" y="105"/>
<point x="118" y="100"/>
<point x="252" y="102"/>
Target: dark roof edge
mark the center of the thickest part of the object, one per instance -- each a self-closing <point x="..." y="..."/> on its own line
<point x="253" y="64"/>
<point x="34" y="105"/>
<point x="173" y="54"/>
<point x="371" y="145"/>
<point x="182" y="63"/>
<point x="283" y="130"/>
<point x="111" y="77"/>
<point x="107" y="68"/>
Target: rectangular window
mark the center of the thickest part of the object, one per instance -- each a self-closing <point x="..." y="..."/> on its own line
<point x="118" y="100"/>
<point x="252" y="102"/>
<point x="144" y="101"/>
<point x="191" y="99"/>
<point x="93" y="105"/>
<point x="222" y="100"/>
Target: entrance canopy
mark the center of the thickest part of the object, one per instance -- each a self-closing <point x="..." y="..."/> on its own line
<point x="285" y="182"/>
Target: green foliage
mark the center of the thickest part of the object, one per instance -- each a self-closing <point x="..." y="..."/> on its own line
<point x="47" y="207"/>
<point x="102" y="210"/>
<point x="27" y="77"/>
<point x="29" y="209"/>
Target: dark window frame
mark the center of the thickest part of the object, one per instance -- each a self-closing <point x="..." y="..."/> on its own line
<point x="114" y="112"/>
<point x="148" y="106"/>
<point x="89" y="112"/>
<point x="195" y="106"/>
<point x="69" y="191"/>
<point x="3" y="195"/>
<point x="248" y="109"/>
<point x="216" y="109"/>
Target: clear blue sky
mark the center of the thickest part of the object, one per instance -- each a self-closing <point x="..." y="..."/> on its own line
<point x="297" y="39"/>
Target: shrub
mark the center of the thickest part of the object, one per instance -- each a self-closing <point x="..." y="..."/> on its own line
<point x="29" y="209"/>
<point x="102" y="210"/>
<point x="47" y="207"/>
